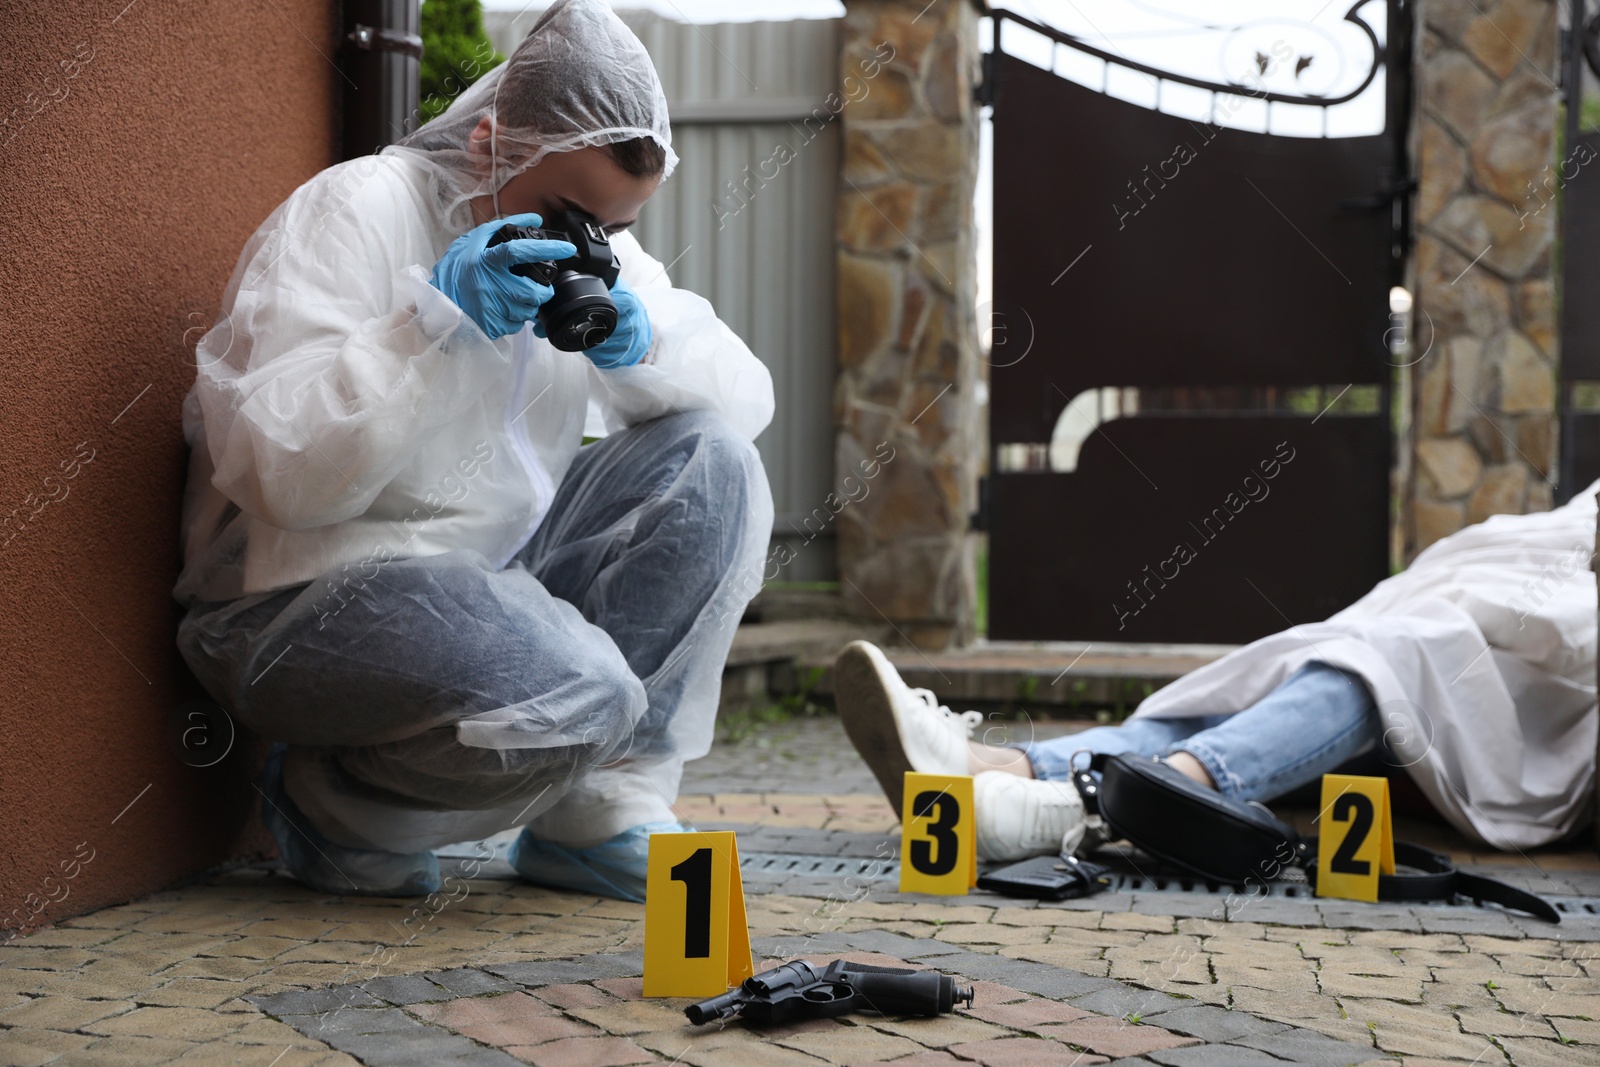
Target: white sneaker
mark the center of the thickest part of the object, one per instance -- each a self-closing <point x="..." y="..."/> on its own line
<point x="1021" y="817"/>
<point x="894" y="727"/>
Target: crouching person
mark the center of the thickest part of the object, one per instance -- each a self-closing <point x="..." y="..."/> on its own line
<point x="399" y="562"/>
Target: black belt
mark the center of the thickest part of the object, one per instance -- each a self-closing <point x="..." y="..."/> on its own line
<point x="1441" y="879"/>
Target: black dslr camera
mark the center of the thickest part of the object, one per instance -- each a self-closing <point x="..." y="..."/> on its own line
<point x="582" y="314"/>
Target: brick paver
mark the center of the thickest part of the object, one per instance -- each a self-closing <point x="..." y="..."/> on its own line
<point x="248" y="967"/>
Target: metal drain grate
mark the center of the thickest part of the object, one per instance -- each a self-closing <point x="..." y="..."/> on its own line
<point x="1177" y="883"/>
<point x="1299" y="889"/>
<point x="874" y="869"/>
<point x="1579" y="907"/>
<point x="804" y="865"/>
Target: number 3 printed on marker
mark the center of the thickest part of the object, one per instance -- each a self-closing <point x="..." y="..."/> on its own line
<point x="938" y="855"/>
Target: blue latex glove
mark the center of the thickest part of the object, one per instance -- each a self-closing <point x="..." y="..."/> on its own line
<point x="479" y="279"/>
<point x="630" y="341"/>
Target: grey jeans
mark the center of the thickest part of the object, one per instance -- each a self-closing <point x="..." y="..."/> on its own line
<point x="445" y="700"/>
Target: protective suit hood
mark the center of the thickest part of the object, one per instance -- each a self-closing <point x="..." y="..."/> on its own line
<point x="580" y="79"/>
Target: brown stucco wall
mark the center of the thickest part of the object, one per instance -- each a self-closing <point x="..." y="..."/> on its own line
<point x="167" y="133"/>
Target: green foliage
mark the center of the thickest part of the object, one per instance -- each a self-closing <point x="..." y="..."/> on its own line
<point x="1129" y="695"/>
<point x="1028" y="688"/>
<point x="456" y="52"/>
<point x="1303" y="401"/>
<point x="742" y="725"/>
<point x="1588" y="115"/>
<point x="980" y="621"/>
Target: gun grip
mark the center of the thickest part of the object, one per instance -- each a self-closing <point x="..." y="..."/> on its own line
<point x="916" y="993"/>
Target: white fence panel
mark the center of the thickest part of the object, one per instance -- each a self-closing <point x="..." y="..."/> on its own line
<point x="747" y="221"/>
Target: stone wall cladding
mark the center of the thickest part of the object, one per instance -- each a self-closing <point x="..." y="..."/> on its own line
<point x="907" y="336"/>
<point x="1484" y="420"/>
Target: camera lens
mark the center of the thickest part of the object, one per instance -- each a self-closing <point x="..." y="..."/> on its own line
<point x="595" y="328"/>
<point x="580" y="315"/>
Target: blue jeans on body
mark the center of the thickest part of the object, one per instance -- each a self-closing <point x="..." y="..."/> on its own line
<point x="1308" y="726"/>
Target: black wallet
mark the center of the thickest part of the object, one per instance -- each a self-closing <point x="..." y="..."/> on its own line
<point x="1048" y="878"/>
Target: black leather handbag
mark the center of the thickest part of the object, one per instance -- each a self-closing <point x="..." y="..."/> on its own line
<point x="1176" y="819"/>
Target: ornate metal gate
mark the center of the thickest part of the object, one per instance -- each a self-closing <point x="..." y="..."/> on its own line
<point x="1191" y="362"/>
<point x="1580" y="267"/>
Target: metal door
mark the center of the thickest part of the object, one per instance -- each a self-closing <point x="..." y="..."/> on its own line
<point x="1580" y="267"/>
<point x="1205" y="302"/>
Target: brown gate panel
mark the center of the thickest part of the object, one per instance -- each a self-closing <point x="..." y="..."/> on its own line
<point x="1580" y="267"/>
<point x="1142" y="251"/>
<point x="1214" y="529"/>
<point x="1242" y="269"/>
<point x="1580" y="232"/>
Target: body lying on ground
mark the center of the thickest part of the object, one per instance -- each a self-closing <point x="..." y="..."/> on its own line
<point x="1473" y="669"/>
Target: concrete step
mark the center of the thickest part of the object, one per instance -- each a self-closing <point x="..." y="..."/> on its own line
<point x="773" y="658"/>
<point x="811" y="640"/>
<point x="1058" y="675"/>
<point x="764" y="662"/>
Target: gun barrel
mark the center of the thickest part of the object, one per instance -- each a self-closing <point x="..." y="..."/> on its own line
<point x="762" y="987"/>
<point x="717" y="1007"/>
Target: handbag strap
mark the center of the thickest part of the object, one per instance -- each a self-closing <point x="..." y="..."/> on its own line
<point x="1087" y="779"/>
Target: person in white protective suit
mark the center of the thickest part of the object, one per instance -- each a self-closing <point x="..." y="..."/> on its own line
<point x="400" y="564"/>
<point x="1474" y="670"/>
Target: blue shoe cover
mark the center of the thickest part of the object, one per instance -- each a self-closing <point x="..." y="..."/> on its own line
<point x="614" y="868"/>
<point x="332" y="868"/>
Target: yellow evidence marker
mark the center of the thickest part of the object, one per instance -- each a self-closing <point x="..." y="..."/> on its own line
<point x="938" y="835"/>
<point x="1355" y="838"/>
<point x="696" y="937"/>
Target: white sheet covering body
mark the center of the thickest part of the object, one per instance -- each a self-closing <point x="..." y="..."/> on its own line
<point x="1481" y="656"/>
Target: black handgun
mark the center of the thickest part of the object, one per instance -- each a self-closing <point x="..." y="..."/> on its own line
<point x="800" y="991"/>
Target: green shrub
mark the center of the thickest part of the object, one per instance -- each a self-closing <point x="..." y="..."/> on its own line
<point x="455" y="52"/>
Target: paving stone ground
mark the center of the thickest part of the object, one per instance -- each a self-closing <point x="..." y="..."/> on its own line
<point x="247" y="967"/>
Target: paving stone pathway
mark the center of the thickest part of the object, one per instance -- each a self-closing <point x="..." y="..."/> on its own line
<point x="591" y="1010"/>
<point x="247" y="967"/>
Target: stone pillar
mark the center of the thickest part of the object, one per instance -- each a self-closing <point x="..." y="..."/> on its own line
<point x="1483" y="324"/>
<point x="908" y="428"/>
